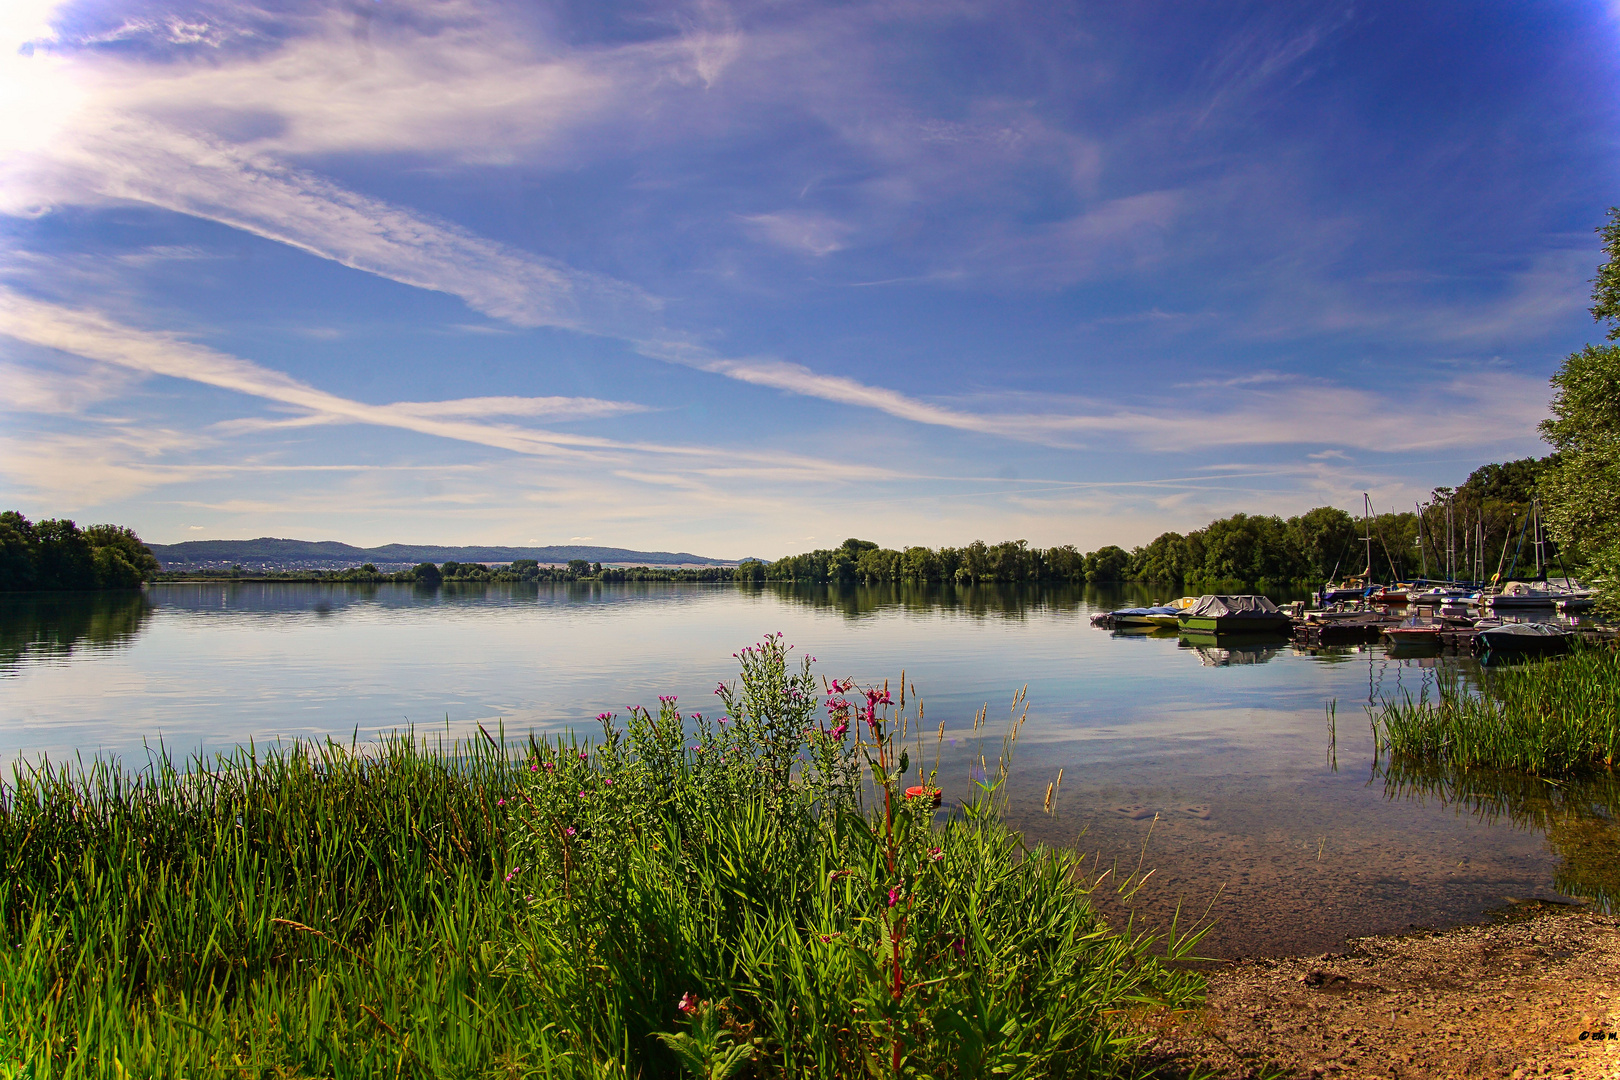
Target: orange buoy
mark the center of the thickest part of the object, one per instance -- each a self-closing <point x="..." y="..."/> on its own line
<point x="920" y="792"/>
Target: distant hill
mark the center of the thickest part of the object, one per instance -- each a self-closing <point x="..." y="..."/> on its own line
<point x="269" y="553"/>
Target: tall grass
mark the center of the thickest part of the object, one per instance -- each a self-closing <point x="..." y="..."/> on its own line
<point x="1550" y="717"/>
<point x="761" y="899"/>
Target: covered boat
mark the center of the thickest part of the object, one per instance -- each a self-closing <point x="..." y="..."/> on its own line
<point x="1528" y="639"/>
<point x="1221" y="614"/>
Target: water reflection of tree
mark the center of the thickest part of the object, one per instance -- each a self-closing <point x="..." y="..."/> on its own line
<point x="56" y="625"/>
<point x="1580" y="818"/>
<point x="986" y="600"/>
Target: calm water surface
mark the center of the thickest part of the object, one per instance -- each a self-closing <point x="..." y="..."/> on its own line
<point x="1216" y="769"/>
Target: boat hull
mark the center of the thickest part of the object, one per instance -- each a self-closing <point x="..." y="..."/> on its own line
<point x="1236" y="624"/>
<point x="1510" y="644"/>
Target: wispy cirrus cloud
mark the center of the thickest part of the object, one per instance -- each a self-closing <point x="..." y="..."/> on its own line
<point x="97" y="338"/>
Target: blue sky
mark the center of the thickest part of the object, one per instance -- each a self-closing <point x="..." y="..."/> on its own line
<point x="750" y="278"/>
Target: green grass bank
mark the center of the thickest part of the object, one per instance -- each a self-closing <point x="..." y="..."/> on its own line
<point x="1551" y="717"/>
<point x="750" y="895"/>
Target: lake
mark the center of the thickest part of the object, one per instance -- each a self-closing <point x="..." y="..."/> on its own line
<point x="1216" y="769"/>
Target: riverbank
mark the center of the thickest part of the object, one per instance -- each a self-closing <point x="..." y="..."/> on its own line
<point x="1534" y="993"/>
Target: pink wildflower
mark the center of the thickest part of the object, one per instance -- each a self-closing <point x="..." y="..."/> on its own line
<point x="894" y="897"/>
<point x="688" y="1003"/>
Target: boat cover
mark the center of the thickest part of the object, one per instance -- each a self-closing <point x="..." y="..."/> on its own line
<point x="1162" y="610"/>
<point x="1526" y="629"/>
<point x="1215" y="606"/>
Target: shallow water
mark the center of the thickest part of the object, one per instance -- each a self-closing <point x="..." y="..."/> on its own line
<point x="1294" y="840"/>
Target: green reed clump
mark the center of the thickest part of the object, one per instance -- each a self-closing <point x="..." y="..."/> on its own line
<point x="760" y="900"/>
<point x="1547" y="717"/>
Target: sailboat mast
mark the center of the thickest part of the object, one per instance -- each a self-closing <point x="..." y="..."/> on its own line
<point x="1541" y="566"/>
<point x="1366" y="523"/>
<point x="1423" y="552"/>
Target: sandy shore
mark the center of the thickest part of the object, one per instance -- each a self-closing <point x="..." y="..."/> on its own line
<point x="1536" y="993"/>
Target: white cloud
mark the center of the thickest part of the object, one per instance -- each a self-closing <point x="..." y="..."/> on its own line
<point x="815" y="234"/>
<point x="95" y="337"/>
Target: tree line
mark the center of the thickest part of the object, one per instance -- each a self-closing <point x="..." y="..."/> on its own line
<point x="1236" y="552"/>
<point x="1240" y="551"/>
<point x="56" y="554"/>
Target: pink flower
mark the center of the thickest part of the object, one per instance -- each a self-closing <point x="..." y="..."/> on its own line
<point x="568" y="831"/>
<point x="688" y="1003"/>
<point x="583" y="795"/>
<point x="536" y="768"/>
<point x="604" y="716"/>
<point x="514" y="872"/>
<point x="935" y="854"/>
<point x="500" y="802"/>
<point x="841" y="730"/>
<point x="894" y="896"/>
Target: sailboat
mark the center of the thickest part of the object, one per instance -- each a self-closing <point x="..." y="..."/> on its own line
<point x="1359" y="586"/>
<point x="1538" y="593"/>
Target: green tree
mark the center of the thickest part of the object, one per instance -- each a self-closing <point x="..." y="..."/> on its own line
<point x="57" y="554"/>
<point x="1165" y="559"/>
<point x="427" y="574"/>
<point x="1321" y="539"/>
<point x="1581" y="490"/>
<point x="1107" y="563"/>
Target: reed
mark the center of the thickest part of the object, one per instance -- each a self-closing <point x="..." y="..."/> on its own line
<point x="758" y="900"/>
<point x="1551" y="717"/>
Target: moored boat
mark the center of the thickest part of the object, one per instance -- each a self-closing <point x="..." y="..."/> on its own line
<point x="1414" y="632"/>
<point x="1530" y="595"/>
<point x="1224" y="614"/>
<point x="1524" y="639"/>
<point x="1145" y="616"/>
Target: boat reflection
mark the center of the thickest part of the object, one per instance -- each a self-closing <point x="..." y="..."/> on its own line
<point x="1226" y="650"/>
<point x="1580" y="818"/>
